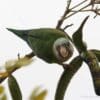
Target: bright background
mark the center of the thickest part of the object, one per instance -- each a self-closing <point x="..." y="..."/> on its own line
<point x="26" y="14"/>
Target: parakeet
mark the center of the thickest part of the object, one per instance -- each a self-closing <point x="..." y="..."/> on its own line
<point x="51" y="45"/>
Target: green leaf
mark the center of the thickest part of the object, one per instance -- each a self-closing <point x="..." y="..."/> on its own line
<point x="78" y="37"/>
<point x="42" y="95"/>
<point x="97" y="53"/>
<point x="1" y="89"/>
<point x="4" y="97"/>
<point x="93" y="64"/>
<point x="14" y="88"/>
<point x="38" y="96"/>
<point x="66" y="77"/>
<point x="2" y="93"/>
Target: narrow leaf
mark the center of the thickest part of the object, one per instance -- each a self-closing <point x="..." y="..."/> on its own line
<point x="93" y="64"/>
<point x="1" y="89"/>
<point x="4" y="97"/>
<point x="36" y="95"/>
<point x="2" y="93"/>
<point x="97" y="53"/>
<point x="66" y="77"/>
<point x="14" y="88"/>
<point x="78" y="37"/>
<point x="41" y="96"/>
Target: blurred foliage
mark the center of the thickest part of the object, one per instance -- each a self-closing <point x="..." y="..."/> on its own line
<point x="2" y="93"/>
<point x="36" y="95"/>
<point x="18" y="63"/>
<point x="14" y="88"/>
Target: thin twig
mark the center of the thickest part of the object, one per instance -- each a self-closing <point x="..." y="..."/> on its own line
<point x="81" y="10"/>
<point x="4" y="75"/>
<point x="92" y="10"/>
<point x="78" y="11"/>
<point x="96" y="11"/>
<point x="67" y="26"/>
<point x="78" y="4"/>
<point x="68" y="11"/>
<point x="68" y="4"/>
<point x="60" y="22"/>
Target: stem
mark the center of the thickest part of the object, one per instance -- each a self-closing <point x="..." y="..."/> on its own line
<point x="4" y="75"/>
<point x="68" y="4"/>
<point x="66" y="77"/>
<point x="92" y="10"/>
<point x="67" y="11"/>
<point x="60" y="22"/>
<point x="81" y="10"/>
<point x="78" y="4"/>
<point x="93" y="64"/>
<point x="67" y="26"/>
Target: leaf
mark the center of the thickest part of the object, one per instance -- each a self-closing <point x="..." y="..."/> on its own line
<point x="38" y="96"/>
<point x="78" y="37"/>
<point x="66" y="77"/>
<point x="41" y="96"/>
<point x="93" y="64"/>
<point x="1" y="89"/>
<point x="4" y="97"/>
<point x="2" y="93"/>
<point x="97" y="53"/>
<point x="14" y="88"/>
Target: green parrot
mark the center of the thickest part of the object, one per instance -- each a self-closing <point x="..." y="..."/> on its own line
<point x="51" y="45"/>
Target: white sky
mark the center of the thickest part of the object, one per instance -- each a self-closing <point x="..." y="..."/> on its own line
<point x="26" y="14"/>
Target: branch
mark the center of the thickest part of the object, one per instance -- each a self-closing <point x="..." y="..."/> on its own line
<point x="27" y="59"/>
<point x="96" y="11"/>
<point x="60" y="22"/>
<point x="68" y="11"/>
<point x="78" y="11"/>
<point x="66" y="77"/>
<point x="72" y="11"/>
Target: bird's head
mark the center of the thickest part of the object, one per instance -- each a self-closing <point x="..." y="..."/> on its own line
<point x="62" y="49"/>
